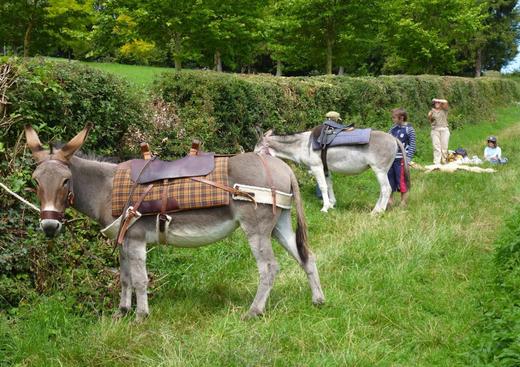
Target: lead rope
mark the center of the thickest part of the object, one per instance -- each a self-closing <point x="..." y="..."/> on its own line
<point x="30" y="205"/>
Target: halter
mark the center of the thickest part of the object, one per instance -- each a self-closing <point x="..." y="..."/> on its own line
<point x="53" y="214"/>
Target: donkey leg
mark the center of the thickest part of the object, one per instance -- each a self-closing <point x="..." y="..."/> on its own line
<point x="267" y="269"/>
<point x="317" y="171"/>
<point x="125" y="302"/>
<point x="139" y="276"/>
<point x="284" y="233"/>
<point x="332" y="197"/>
<point x="385" y="191"/>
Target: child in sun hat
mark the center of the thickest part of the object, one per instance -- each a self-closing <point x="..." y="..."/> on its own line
<point x="492" y="152"/>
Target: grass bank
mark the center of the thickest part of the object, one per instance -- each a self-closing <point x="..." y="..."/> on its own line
<point x="402" y="289"/>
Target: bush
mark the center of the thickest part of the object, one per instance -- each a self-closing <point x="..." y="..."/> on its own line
<point x="501" y="308"/>
<point x="58" y="99"/>
<point x="139" y="52"/>
<point x="222" y="109"/>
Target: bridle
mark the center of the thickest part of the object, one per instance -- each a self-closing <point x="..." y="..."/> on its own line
<point x="69" y="201"/>
<point x="264" y="148"/>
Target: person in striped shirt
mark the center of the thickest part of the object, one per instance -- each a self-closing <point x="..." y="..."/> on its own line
<point x="405" y="132"/>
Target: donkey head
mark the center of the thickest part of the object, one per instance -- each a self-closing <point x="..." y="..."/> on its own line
<point x="262" y="146"/>
<point x="53" y="178"/>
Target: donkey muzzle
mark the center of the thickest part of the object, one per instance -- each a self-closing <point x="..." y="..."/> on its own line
<point x="51" y="227"/>
<point x="51" y="222"/>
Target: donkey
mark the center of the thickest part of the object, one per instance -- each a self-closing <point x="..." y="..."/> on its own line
<point x="378" y="154"/>
<point x="60" y="175"/>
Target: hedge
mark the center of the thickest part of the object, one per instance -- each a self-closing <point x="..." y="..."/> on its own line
<point x="222" y="109"/>
<point x="58" y="99"/>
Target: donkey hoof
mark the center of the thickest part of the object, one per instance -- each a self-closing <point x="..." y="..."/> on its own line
<point x="120" y="313"/>
<point x="318" y="301"/>
<point x="251" y="314"/>
<point x="324" y="209"/>
<point x="140" y="317"/>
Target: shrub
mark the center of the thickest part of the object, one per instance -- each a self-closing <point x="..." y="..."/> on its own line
<point x="222" y="109"/>
<point x="58" y="99"/>
<point x="501" y="307"/>
<point x="139" y="52"/>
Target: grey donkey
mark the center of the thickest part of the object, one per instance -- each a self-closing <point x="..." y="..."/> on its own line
<point x="378" y="154"/>
<point x="60" y="173"/>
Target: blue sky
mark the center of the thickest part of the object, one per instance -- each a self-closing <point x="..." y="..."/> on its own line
<point x="514" y="65"/>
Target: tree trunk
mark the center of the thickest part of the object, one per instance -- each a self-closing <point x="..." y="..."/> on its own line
<point x="178" y="62"/>
<point x="218" y="61"/>
<point x="329" y="57"/>
<point x="341" y="70"/>
<point x="478" y="63"/>
<point x="278" y="68"/>
<point x="27" y="39"/>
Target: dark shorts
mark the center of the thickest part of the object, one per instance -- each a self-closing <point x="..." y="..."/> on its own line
<point x="396" y="176"/>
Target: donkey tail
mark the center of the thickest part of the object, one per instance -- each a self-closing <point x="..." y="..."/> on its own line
<point x="406" y="166"/>
<point x="301" y="227"/>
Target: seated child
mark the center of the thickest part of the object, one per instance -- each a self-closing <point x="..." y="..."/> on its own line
<point x="406" y="134"/>
<point x="493" y="153"/>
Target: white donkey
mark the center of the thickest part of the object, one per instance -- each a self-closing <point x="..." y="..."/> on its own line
<point x="378" y="154"/>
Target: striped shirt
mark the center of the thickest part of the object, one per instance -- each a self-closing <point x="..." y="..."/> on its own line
<point x="406" y="134"/>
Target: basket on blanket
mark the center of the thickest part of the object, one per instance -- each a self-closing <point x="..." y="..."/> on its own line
<point x="187" y="194"/>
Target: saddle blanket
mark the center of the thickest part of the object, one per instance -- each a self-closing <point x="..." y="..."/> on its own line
<point x="352" y="137"/>
<point x="183" y="193"/>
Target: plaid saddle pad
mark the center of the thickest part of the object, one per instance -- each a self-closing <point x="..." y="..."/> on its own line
<point x="183" y="193"/>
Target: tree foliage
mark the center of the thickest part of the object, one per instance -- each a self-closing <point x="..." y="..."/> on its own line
<point x="458" y="37"/>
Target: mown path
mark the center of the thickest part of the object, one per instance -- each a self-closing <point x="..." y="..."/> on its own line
<point x="402" y="289"/>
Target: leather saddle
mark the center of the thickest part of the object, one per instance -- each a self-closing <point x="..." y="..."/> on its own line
<point x="190" y="166"/>
<point x="326" y="133"/>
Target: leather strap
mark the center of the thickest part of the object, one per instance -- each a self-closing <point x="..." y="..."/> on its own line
<point x="164" y="202"/>
<point x="232" y="190"/>
<point x="269" y="181"/>
<point x="124" y="225"/>
<point x="52" y="214"/>
<point x="324" y="160"/>
<point x="131" y="214"/>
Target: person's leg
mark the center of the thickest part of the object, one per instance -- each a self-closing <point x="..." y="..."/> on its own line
<point x="393" y="180"/>
<point x="436" y="142"/>
<point x="404" y="198"/>
<point x="444" y="139"/>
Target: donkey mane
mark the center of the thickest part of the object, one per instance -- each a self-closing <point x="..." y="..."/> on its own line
<point x="90" y="156"/>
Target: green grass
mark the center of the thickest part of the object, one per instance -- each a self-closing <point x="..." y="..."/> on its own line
<point x="139" y="76"/>
<point x="402" y="289"/>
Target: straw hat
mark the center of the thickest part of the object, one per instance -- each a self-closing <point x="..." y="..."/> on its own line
<point x="333" y="115"/>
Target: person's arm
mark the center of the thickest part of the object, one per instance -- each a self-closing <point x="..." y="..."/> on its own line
<point x="430" y="116"/>
<point x="412" y="145"/>
<point x="487" y="154"/>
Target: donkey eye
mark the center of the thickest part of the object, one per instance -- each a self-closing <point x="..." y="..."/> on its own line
<point x="66" y="182"/>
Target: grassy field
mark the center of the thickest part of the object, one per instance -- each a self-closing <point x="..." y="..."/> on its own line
<point x="139" y="76"/>
<point x="402" y="289"/>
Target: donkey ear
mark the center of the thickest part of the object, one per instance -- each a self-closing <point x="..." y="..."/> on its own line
<point x="75" y="143"/>
<point x="268" y="133"/>
<point x="33" y="142"/>
<point x="258" y="131"/>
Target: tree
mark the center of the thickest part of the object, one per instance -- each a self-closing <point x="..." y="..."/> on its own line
<point x="497" y="43"/>
<point x="171" y="24"/>
<point x="229" y="31"/>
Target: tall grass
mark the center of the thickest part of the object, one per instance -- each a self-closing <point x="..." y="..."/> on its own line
<point x="402" y="289"/>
